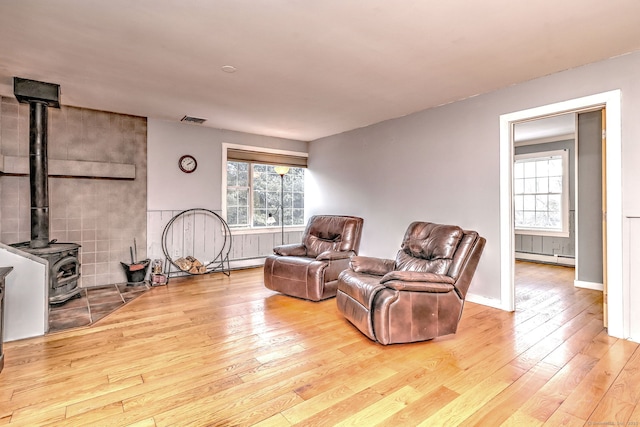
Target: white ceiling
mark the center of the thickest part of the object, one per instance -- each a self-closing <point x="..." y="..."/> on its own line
<point x="305" y="69"/>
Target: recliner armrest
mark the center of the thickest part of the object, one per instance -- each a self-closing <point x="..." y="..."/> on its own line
<point x="333" y="255"/>
<point x="293" y="249"/>
<point x="418" y="281"/>
<point x="371" y="265"/>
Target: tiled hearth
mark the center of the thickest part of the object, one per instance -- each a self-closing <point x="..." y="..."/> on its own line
<point x="91" y="305"/>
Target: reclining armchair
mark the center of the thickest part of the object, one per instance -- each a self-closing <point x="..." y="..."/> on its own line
<point x="419" y="295"/>
<point x="310" y="269"/>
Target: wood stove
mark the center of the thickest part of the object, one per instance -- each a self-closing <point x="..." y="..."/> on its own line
<point x="64" y="269"/>
<point x="64" y="264"/>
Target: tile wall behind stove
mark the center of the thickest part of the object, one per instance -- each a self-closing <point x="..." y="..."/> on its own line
<point x="102" y="215"/>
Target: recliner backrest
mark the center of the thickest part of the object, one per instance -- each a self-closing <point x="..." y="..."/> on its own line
<point x="332" y="232"/>
<point x="429" y="247"/>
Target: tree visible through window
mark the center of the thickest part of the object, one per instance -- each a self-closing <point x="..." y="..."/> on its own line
<point x="254" y="197"/>
<point x="541" y="192"/>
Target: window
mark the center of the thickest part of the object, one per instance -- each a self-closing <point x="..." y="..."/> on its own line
<point x="541" y="193"/>
<point x="238" y="188"/>
<point x="256" y="195"/>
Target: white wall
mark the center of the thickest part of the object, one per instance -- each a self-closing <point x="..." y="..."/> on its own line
<point x="430" y="166"/>
<point x="171" y="191"/>
<point x="442" y="164"/>
<point x="26" y="303"/>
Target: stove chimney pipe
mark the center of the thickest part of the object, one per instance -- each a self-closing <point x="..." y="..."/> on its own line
<point x="39" y="175"/>
<point x="39" y="96"/>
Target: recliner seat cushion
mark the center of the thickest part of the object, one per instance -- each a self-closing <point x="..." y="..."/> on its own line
<point x="359" y="287"/>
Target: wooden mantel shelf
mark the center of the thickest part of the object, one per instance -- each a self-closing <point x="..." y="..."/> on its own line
<point x="12" y="165"/>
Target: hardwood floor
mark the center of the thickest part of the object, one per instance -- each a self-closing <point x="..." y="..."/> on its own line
<point x="225" y="351"/>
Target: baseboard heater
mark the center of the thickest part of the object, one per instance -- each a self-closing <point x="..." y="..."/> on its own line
<point x="250" y="262"/>
<point x="547" y="259"/>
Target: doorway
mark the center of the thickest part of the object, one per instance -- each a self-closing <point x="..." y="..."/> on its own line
<point x="545" y="160"/>
<point x="558" y="205"/>
<point x="613" y="200"/>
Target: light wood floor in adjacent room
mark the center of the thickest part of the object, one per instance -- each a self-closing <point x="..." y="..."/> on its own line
<point x="225" y="351"/>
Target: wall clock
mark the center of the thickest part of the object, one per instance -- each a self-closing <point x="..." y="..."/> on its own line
<point x="187" y="163"/>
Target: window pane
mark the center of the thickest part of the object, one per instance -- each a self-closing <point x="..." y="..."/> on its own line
<point x="232" y="216"/>
<point x="243" y="197"/>
<point x="287" y="216"/>
<point x="555" y="167"/>
<point x="232" y="198"/>
<point x="542" y="167"/>
<point x="259" y="199"/>
<point x="530" y="185"/>
<point x="518" y="203"/>
<point x="232" y="174"/>
<point x="555" y="184"/>
<point x="273" y="182"/>
<point x="259" y="217"/>
<point x="542" y="218"/>
<point x="519" y="216"/>
<point x="555" y="203"/>
<point x="243" y="215"/>
<point x="288" y="200"/>
<point x="542" y="185"/>
<point x="298" y="183"/>
<point x="541" y="202"/>
<point x="518" y="170"/>
<point x="260" y="181"/>
<point x="243" y="174"/>
<point x="529" y="203"/>
<point x="518" y="186"/>
<point x="529" y="169"/>
<point x="529" y="219"/>
<point x="298" y="216"/>
<point x="273" y="200"/>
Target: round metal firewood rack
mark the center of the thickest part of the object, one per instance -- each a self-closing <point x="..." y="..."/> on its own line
<point x="209" y="225"/>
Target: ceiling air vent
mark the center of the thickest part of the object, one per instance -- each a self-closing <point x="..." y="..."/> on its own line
<point x="193" y="120"/>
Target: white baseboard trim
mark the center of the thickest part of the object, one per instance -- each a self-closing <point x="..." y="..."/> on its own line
<point x="588" y="285"/>
<point x="489" y="302"/>
<point x="246" y="263"/>
<point x="549" y="259"/>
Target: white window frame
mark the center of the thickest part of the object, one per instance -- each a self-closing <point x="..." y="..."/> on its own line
<point x="564" y="154"/>
<point x="250" y="229"/>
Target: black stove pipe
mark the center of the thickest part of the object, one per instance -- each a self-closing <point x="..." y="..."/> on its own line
<point x="39" y="96"/>
<point x="38" y="175"/>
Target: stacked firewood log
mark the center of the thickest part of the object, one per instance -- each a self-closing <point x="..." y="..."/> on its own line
<point x="190" y="264"/>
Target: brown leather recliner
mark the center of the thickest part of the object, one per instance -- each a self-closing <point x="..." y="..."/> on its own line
<point x="310" y="269"/>
<point x="420" y="295"/>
